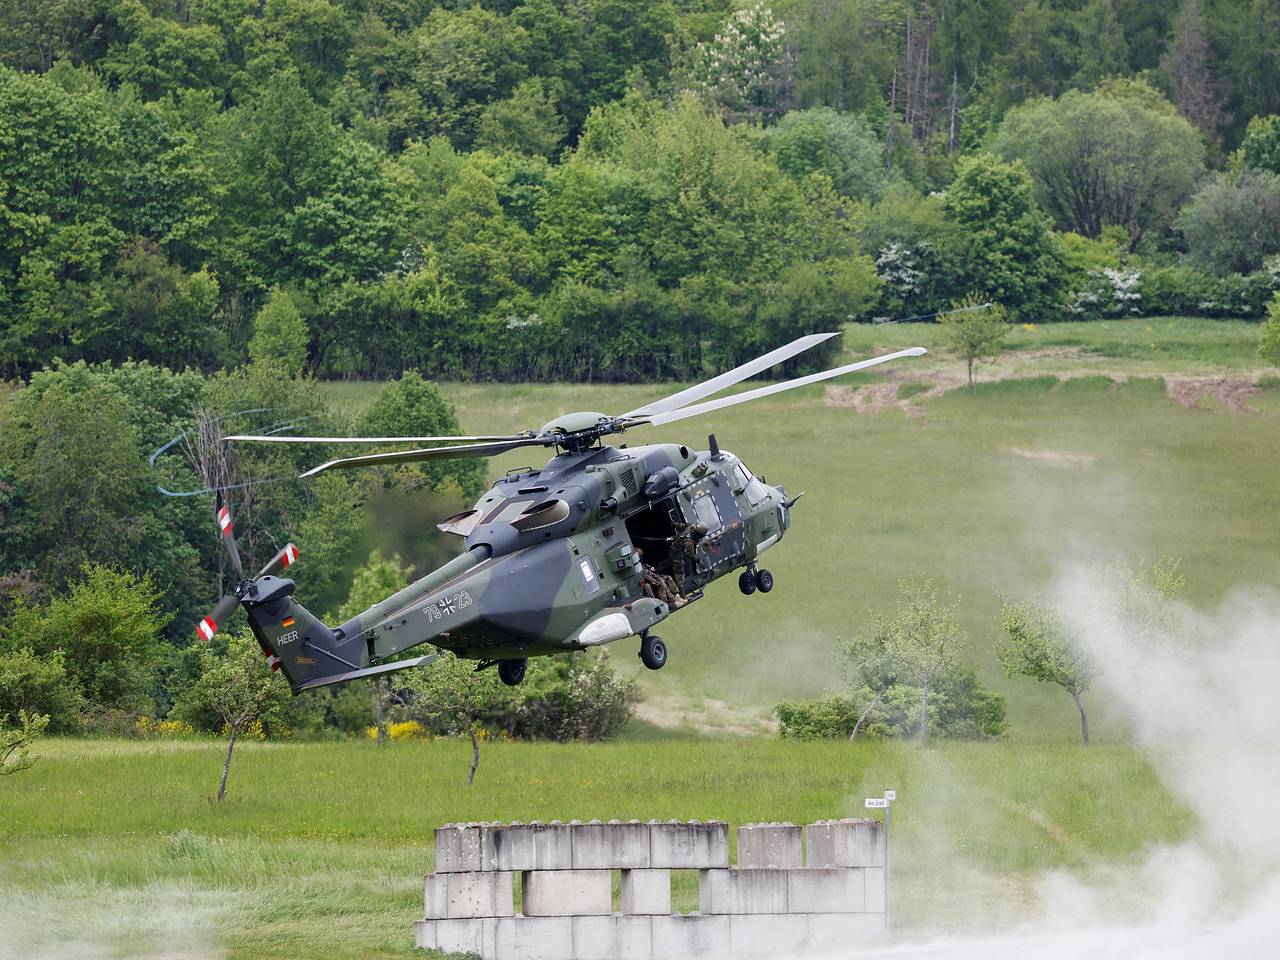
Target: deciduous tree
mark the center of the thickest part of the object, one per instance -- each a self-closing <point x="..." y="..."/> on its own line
<point x="452" y="696"/>
<point x="1097" y="160"/>
<point x="1038" y="645"/>
<point x="975" y="330"/>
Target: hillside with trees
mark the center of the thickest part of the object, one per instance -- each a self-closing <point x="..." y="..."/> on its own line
<point x="617" y="191"/>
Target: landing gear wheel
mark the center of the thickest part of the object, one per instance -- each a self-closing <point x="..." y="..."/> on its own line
<point x="747" y="583"/>
<point x="653" y="652"/>
<point x="764" y="581"/>
<point x="511" y="672"/>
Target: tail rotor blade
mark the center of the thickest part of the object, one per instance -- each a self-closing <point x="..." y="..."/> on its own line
<point x="228" y="536"/>
<point x="283" y="560"/>
<point x="207" y="628"/>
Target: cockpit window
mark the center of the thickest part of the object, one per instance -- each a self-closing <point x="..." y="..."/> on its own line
<point x="741" y="475"/>
<point x="757" y="492"/>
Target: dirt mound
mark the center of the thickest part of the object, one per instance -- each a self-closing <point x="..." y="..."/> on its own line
<point x="1232" y="393"/>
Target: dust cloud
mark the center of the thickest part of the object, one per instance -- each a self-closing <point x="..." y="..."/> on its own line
<point x="84" y="920"/>
<point x="1202" y="694"/>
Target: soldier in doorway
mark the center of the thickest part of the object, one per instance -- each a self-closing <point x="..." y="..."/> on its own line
<point x="684" y="554"/>
<point x="659" y="586"/>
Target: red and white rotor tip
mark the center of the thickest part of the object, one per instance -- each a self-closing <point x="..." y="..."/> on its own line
<point x="224" y="521"/>
<point x="206" y="629"/>
<point x="288" y="555"/>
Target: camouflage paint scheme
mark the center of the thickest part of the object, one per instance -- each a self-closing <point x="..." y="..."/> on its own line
<point x="549" y="564"/>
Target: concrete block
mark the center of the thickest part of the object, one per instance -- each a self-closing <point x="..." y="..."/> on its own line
<point x="838" y="932"/>
<point x="464" y="895"/>
<point x="826" y="890"/>
<point x="646" y="891"/>
<point x="610" y="846"/>
<point x="845" y="843"/>
<point x="770" y="846"/>
<point x="532" y="938"/>
<point x="612" y="938"/>
<point x="768" y="935"/>
<point x="457" y="936"/>
<point x="875" y="889"/>
<point x="555" y="893"/>
<point x="458" y="848"/>
<point x="693" y="935"/>
<point x="526" y="846"/>
<point x="688" y="846"/>
<point x="742" y="891"/>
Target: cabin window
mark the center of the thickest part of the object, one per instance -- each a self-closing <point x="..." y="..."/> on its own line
<point x="705" y="507"/>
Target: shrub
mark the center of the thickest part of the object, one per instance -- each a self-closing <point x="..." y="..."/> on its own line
<point x="960" y="708"/>
<point x="38" y="685"/>
<point x="1233" y="224"/>
<point x="1269" y="336"/>
<point x="818" y="718"/>
<point x="1176" y="289"/>
<point x="578" y="697"/>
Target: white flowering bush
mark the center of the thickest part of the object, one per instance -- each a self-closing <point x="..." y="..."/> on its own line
<point x="896" y="268"/>
<point x="1108" y="292"/>
<point x="747" y="67"/>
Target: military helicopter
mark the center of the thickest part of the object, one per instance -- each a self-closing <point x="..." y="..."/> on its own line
<point x="555" y="559"/>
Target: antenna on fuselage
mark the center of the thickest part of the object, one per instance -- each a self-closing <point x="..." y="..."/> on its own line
<point x="715" y="447"/>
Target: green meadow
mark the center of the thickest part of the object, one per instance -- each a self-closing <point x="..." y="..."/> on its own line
<point x="112" y="848"/>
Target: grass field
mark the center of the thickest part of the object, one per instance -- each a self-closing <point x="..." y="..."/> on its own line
<point x="988" y="492"/>
<point x="112" y="850"/>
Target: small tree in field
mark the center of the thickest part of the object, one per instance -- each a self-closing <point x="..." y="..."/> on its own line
<point x="921" y="639"/>
<point x="452" y="697"/>
<point x="15" y="741"/>
<point x="238" y="689"/>
<point x="1038" y="646"/>
<point x="975" y="330"/>
<point x="1269" y="335"/>
<point x="869" y="663"/>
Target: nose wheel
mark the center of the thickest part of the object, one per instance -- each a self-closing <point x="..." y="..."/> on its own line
<point x="653" y="652"/>
<point x="751" y="580"/>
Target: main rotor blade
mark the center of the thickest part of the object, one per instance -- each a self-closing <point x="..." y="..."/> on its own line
<point x="285" y="438"/>
<point x="431" y="453"/>
<point x="737" y="398"/>
<point x="736" y="375"/>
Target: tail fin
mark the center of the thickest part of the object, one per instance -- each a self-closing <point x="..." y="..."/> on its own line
<point x="310" y="653"/>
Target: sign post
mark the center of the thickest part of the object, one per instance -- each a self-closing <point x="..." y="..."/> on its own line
<point x="884" y="803"/>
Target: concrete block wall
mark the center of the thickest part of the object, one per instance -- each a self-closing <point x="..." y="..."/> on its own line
<point x="793" y="889"/>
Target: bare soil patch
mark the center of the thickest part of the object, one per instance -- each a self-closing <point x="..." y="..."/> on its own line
<point x="705" y="716"/>
<point x="1054" y="457"/>
<point x="1232" y="392"/>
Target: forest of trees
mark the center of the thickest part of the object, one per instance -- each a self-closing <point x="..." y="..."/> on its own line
<point x="609" y="189"/>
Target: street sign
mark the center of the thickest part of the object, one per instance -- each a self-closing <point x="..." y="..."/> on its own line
<point x="876" y="802"/>
<point x="891" y="794"/>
